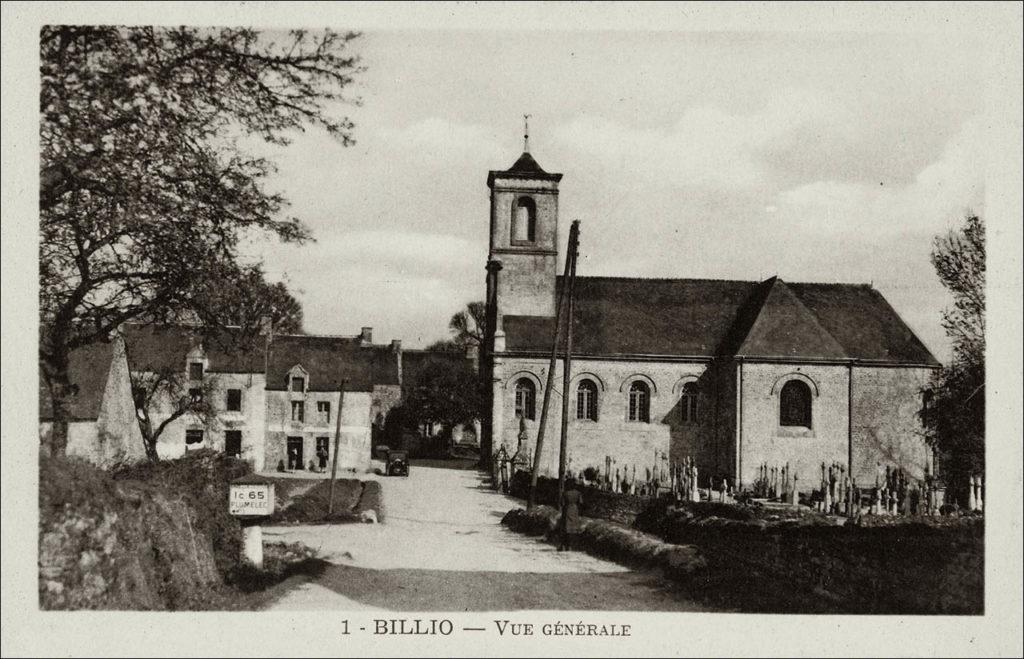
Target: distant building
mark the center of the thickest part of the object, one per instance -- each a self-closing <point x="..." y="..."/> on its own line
<point x="734" y="374"/>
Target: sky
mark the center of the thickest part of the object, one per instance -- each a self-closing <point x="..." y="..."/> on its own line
<point x="831" y="157"/>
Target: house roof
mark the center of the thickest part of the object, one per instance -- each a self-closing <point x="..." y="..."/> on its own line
<point x="524" y="167"/>
<point x="330" y="359"/>
<point x="88" y="369"/>
<point x="161" y="347"/>
<point x="706" y="318"/>
<point x="327" y="359"/>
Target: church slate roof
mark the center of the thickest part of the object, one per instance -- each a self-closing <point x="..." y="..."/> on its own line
<point x="706" y="318"/>
<point x="526" y="168"/>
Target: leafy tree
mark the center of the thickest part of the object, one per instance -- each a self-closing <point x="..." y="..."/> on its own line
<point x="147" y="177"/>
<point x="247" y="302"/>
<point x="446" y="392"/>
<point x="954" y="416"/>
<point x="468" y="327"/>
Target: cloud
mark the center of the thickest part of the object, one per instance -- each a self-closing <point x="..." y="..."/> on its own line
<point x="939" y="194"/>
<point x="707" y="146"/>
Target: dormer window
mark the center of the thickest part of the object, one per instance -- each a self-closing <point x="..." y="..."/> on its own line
<point x="524" y="221"/>
<point x="298" y="384"/>
<point x="195" y="370"/>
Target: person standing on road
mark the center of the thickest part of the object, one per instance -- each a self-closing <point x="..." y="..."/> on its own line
<point x="571" y="524"/>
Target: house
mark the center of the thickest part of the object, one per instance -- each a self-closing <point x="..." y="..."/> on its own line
<point x="733" y="374"/>
<point x="304" y="377"/>
<point x="102" y="426"/>
<point x="268" y="399"/>
<point x="225" y="369"/>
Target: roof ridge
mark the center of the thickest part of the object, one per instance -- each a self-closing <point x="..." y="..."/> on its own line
<point x="649" y="279"/>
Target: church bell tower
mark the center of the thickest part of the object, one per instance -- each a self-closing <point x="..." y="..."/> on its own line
<point x="524" y="237"/>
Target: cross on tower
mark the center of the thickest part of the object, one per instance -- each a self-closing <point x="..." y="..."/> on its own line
<point x="526" y="133"/>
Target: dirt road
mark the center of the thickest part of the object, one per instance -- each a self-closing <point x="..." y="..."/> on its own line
<point x="442" y="547"/>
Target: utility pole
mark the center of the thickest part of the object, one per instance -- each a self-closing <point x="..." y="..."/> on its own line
<point x="570" y="265"/>
<point x="337" y="442"/>
<point x="574" y="238"/>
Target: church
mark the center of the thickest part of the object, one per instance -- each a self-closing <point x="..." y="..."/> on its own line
<point x="731" y="374"/>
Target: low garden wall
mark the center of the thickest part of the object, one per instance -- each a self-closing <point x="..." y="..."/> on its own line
<point x="786" y="559"/>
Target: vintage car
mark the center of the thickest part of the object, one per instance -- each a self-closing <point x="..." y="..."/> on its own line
<point x="396" y="463"/>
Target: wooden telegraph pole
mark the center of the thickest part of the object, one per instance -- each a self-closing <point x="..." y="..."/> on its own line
<point x="574" y="238"/>
<point x="570" y="267"/>
<point x="337" y="442"/>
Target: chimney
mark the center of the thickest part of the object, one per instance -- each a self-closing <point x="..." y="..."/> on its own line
<point x="366" y="336"/>
<point x="266" y="325"/>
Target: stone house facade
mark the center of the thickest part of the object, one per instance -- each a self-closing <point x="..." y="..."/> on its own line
<point x="266" y="395"/>
<point x="733" y="374"/>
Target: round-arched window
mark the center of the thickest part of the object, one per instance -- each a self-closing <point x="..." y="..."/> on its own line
<point x="586" y="400"/>
<point x="639" y="402"/>
<point x="526" y="398"/>
<point x="795" y="404"/>
<point x="524" y="220"/>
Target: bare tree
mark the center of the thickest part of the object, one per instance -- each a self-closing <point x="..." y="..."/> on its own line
<point x="169" y="394"/>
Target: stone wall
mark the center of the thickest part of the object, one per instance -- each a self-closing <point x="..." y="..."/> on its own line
<point x="765" y="441"/>
<point x="171" y="443"/>
<point x="886" y="426"/>
<point x="354" y="449"/>
<point x="629" y="443"/>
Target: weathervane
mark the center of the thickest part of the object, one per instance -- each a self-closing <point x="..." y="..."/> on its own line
<point x="526" y="133"/>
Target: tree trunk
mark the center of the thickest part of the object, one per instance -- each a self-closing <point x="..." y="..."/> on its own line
<point x="148" y="440"/>
<point x="58" y="383"/>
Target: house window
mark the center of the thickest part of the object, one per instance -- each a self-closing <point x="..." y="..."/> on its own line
<point x="795" y="404"/>
<point x="233" y="443"/>
<point x="195" y="371"/>
<point x="298" y="410"/>
<point x="640" y="402"/>
<point x="688" y="404"/>
<point x="524" y="221"/>
<point x="323" y="412"/>
<point x="193" y="437"/>
<point x="926" y="406"/>
<point x="234" y="400"/>
<point x="195" y="394"/>
<point x="586" y="401"/>
<point x="298" y="384"/>
<point x="526" y="397"/>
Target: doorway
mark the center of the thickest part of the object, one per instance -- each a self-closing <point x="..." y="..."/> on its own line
<point x="295" y="453"/>
<point x="323" y="452"/>
<point x="233" y="443"/>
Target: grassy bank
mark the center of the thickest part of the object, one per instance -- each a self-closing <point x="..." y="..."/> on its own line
<point x="150" y="537"/>
<point x="354" y="501"/>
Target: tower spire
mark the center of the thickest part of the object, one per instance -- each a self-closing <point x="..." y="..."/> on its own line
<point x="526" y="133"/>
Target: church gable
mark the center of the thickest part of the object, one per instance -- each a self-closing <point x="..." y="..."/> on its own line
<point x="784" y="327"/>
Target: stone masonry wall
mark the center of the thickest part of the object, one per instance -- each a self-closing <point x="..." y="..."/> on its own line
<point x="765" y="441"/>
<point x="629" y="443"/>
<point x="354" y="449"/>
<point x="886" y="425"/>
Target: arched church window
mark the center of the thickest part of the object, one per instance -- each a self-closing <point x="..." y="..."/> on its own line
<point x="639" y="402"/>
<point x="795" y="404"/>
<point x="688" y="412"/>
<point x="586" y="401"/>
<point x="524" y="220"/>
<point x="526" y="398"/>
